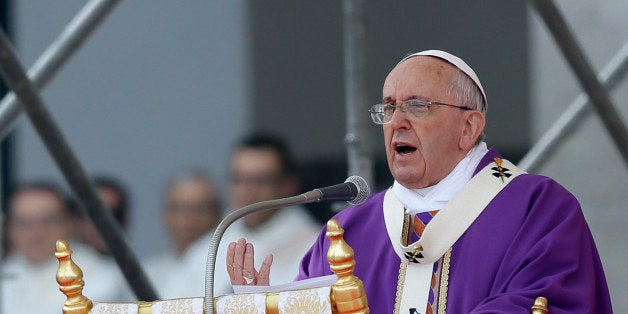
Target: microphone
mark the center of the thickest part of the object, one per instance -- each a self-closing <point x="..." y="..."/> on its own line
<point x="355" y="190"/>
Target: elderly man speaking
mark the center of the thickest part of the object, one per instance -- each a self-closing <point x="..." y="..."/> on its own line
<point x="461" y="229"/>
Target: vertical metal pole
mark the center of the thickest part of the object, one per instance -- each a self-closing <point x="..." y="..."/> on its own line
<point x="2" y="211"/>
<point x="583" y="70"/>
<point x="359" y="154"/>
<point x="55" y="56"/>
<point x="16" y="78"/>
<point x="544" y="148"/>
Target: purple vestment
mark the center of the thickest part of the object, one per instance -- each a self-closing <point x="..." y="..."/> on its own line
<point x="531" y="240"/>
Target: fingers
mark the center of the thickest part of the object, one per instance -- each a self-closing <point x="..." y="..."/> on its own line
<point x="238" y="262"/>
<point x="241" y="265"/>
<point x="248" y="268"/>
<point x="263" y="277"/>
<point x="229" y="261"/>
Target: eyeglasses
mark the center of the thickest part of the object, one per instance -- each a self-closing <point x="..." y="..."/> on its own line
<point x="382" y="113"/>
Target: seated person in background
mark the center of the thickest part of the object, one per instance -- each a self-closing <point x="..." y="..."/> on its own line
<point x="191" y="212"/>
<point x="115" y="197"/>
<point x="37" y="216"/>
<point x="262" y="169"/>
<point x="498" y="239"/>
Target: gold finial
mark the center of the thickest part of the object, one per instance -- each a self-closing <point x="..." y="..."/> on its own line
<point x="348" y="291"/>
<point x="540" y="306"/>
<point x="70" y="279"/>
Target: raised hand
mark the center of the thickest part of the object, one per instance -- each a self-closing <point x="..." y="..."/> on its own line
<point x="241" y="265"/>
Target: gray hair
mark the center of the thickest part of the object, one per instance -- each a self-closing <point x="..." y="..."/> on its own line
<point x="468" y="94"/>
<point x="466" y="91"/>
<point x="195" y="174"/>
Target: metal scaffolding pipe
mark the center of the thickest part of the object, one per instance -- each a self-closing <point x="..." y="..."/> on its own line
<point x="610" y="76"/>
<point x="55" y="56"/>
<point x="583" y="70"/>
<point x="359" y="159"/>
<point x="16" y="78"/>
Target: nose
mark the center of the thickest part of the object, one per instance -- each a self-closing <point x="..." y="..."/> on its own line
<point x="399" y="118"/>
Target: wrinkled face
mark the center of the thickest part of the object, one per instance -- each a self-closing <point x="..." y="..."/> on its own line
<point x="191" y="211"/>
<point x="422" y="151"/>
<point x="257" y="175"/>
<point x="37" y="221"/>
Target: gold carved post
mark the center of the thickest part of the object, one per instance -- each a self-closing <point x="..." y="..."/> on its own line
<point x="348" y="294"/>
<point x="540" y="306"/>
<point x="70" y="279"/>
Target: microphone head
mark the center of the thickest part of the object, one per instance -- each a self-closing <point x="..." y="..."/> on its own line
<point x="363" y="190"/>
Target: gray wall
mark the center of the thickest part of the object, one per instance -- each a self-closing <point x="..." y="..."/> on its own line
<point x="588" y="164"/>
<point x="161" y="85"/>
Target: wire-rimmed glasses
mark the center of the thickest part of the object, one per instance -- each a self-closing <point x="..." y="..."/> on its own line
<point x="382" y="113"/>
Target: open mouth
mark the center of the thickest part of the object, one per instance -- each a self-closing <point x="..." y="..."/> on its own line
<point x="402" y="149"/>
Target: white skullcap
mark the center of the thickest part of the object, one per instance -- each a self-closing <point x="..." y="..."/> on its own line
<point x="457" y="62"/>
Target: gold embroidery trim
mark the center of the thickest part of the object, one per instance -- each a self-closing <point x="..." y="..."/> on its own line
<point x="272" y="303"/>
<point x="144" y="307"/>
<point x="405" y="237"/>
<point x="444" y="283"/>
<point x="400" y="283"/>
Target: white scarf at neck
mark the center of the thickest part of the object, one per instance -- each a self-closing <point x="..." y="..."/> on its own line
<point x="436" y="196"/>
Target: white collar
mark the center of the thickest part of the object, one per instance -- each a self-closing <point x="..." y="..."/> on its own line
<point x="438" y="195"/>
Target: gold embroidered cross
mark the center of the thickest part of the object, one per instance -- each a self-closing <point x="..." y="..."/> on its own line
<point x="501" y="172"/>
<point x="413" y="257"/>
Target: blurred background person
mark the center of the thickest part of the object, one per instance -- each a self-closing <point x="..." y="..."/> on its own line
<point x="262" y="169"/>
<point x="37" y="216"/>
<point x="192" y="210"/>
<point x="115" y="197"/>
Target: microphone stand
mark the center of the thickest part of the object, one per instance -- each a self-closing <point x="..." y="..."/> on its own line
<point x="308" y="197"/>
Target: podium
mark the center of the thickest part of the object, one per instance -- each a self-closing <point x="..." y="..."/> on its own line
<point x="346" y="295"/>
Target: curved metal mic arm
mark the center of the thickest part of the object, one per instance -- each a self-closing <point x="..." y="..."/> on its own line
<point x="308" y="197"/>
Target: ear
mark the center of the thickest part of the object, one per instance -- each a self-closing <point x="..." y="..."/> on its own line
<point x="473" y="127"/>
